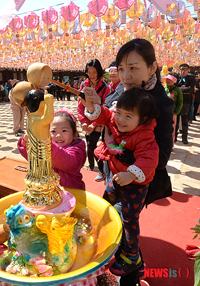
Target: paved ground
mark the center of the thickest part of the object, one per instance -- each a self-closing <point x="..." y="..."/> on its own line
<point x="183" y="166"/>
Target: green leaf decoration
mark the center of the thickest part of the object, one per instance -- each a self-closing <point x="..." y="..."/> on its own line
<point x="197" y="273"/>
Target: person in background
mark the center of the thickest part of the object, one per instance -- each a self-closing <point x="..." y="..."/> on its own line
<point x="75" y="84"/>
<point x="94" y="72"/>
<point x="6" y="90"/>
<point x="58" y="91"/>
<point x="197" y="95"/>
<point x="137" y="66"/>
<point x="9" y="85"/>
<point x="2" y="91"/>
<point x="113" y="76"/>
<point x="63" y="91"/>
<point x="17" y="111"/>
<point x="176" y="94"/>
<point x="68" y="93"/>
<point x="186" y="83"/>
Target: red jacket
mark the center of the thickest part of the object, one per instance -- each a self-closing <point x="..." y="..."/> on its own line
<point x="80" y="110"/>
<point x="141" y="141"/>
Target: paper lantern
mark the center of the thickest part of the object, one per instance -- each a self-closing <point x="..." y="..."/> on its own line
<point x="111" y="15"/>
<point x="136" y="10"/>
<point x="2" y="31"/>
<point x="155" y="22"/>
<point x="31" y="21"/>
<point x="98" y="7"/>
<point x="16" y="24"/>
<point x="8" y="33"/>
<point x="133" y="26"/>
<point x="124" y="4"/>
<point x="87" y="19"/>
<point x="65" y="25"/>
<point x="22" y="32"/>
<point x="70" y="11"/>
<point x="49" y="16"/>
<point x="175" y="10"/>
<point x="53" y="27"/>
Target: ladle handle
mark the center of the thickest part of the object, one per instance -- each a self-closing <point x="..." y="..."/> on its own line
<point x="69" y="88"/>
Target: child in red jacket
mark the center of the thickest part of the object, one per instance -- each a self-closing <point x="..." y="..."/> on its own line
<point x="132" y="126"/>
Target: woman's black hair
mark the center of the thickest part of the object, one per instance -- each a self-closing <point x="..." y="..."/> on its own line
<point x="97" y="65"/>
<point x="33" y="99"/>
<point x="113" y="64"/>
<point x="140" y="100"/>
<point x="143" y="48"/>
<point x="69" y="118"/>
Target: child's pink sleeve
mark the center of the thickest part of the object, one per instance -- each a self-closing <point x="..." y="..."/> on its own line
<point x="69" y="159"/>
<point x="22" y="149"/>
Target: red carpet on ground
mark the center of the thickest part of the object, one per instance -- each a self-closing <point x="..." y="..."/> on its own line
<point x="165" y="232"/>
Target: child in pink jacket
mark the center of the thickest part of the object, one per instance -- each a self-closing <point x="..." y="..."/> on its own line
<point x="68" y="151"/>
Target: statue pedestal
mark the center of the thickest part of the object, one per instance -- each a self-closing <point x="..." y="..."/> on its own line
<point x="92" y="256"/>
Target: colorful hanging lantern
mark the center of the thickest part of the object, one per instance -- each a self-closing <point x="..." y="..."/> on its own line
<point x="124" y="4"/>
<point x="8" y="33"/>
<point x="70" y="11"/>
<point x="175" y="10"/>
<point x="49" y="16"/>
<point x="53" y="27"/>
<point x="2" y="31"/>
<point x="22" y="32"/>
<point x="98" y="7"/>
<point x="136" y="10"/>
<point x="133" y="26"/>
<point x="16" y="24"/>
<point x="87" y="19"/>
<point x="156" y="22"/>
<point x="65" y="25"/>
<point x="31" y="20"/>
<point x="112" y="15"/>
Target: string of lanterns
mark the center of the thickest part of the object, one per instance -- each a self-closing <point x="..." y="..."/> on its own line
<point x="69" y="38"/>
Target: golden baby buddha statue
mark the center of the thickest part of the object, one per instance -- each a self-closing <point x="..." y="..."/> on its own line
<point x="41" y="222"/>
<point x="42" y="190"/>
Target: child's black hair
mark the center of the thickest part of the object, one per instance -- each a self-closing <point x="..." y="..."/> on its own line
<point x="69" y="118"/>
<point x="140" y="100"/>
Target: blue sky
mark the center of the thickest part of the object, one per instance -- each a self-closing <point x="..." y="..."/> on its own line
<point x="33" y="5"/>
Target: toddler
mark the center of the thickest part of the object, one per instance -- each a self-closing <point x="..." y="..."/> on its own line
<point x="132" y="126"/>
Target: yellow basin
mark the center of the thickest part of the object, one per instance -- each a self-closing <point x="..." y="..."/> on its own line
<point x="99" y="248"/>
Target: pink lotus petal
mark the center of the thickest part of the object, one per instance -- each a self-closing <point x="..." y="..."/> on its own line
<point x="44" y="268"/>
<point x="47" y="274"/>
<point x="40" y="261"/>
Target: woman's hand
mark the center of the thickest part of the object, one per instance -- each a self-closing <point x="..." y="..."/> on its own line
<point x="91" y="95"/>
<point x="124" y="178"/>
<point x="88" y="104"/>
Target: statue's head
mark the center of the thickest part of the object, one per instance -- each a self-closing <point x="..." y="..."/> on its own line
<point x="33" y="99"/>
<point x="39" y="74"/>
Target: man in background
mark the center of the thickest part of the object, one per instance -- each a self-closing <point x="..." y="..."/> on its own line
<point x="186" y="83"/>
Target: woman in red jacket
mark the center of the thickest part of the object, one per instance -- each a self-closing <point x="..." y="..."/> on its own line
<point x="92" y="130"/>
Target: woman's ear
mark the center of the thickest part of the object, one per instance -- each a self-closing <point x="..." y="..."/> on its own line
<point x="153" y="68"/>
